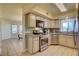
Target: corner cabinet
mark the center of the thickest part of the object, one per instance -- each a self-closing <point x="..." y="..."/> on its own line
<point x="30" y="20"/>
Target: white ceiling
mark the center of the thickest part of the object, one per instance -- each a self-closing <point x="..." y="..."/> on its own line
<point x="14" y="11"/>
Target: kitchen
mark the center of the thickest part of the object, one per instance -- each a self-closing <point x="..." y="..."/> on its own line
<point x="42" y="32"/>
<point x="47" y="29"/>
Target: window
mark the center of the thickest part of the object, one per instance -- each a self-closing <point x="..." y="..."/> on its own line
<point x="20" y="29"/>
<point x="68" y="25"/>
<point x="65" y="26"/>
<point x="71" y="25"/>
<point x="14" y="28"/>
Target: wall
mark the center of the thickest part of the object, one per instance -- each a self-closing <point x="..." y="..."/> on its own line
<point x="15" y="35"/>
<point x="0" y="30"/>
<point x="0" y="36"/>
<point x="6" y="29"/>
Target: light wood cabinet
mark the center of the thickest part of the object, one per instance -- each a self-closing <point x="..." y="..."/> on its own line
<point x="57" y="23"/>
<point x="66" y="41"/>
<point x="62" y="40"/>
<point x="70" y="41"/>
<point x="47" y="23"/>
<point x="30" y="20"/>
<point x="49" y="39"/>
<point x="38" y="18"/>
<point x="33" y="43"/>
<point x="54" y="23"/>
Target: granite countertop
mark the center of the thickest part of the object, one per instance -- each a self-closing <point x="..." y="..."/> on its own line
<point x="67" y="34"/>
<point x="30" y="34"/>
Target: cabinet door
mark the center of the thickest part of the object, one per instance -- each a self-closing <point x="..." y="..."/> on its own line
<point x="57" y="24"/>
<point x="48" y="23"/>
<point x="62" y="40"/>
<point x="38" y="18"/>
<point x="52" y="24"/>
<point x="35" y="44"/>
<point x="32" y="20"/>
<point x="29" y="44"/>
<point x="45" y="23"/>
<point x="49" y="39"/>
<point x="70" y="41"/>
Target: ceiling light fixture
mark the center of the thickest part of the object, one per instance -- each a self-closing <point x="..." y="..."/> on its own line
<point x="61" y="7"/>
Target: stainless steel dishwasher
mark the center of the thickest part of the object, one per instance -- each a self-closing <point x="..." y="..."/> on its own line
<point x="54" y="38"/>
<point x="54" y="35"/>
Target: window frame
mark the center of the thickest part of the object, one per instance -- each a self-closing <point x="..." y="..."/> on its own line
<point x="12" y="29"/>
<point x="66" y="20"/>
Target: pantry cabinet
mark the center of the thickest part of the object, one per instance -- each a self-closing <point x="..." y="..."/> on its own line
<point x="30" y="20"/>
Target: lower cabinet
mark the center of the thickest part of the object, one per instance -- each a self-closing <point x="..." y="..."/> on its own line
<point x="66" y="41"/>
<point x="70" y="41"/>
<point x="49" y="39"/>
<point x="33" y="43"/>
<point x="62" y="40"/>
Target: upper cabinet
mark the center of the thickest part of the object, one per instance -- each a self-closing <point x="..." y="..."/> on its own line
<point x="47" y="23"/>
<point x="57" y="23"/>
<point x="38" y="18"/>
<point x="54" y="24"/>
<point x="30" y="20"/>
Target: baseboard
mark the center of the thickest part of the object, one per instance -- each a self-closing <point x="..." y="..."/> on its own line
<point x="68" y="46"/>
<point x="63" y="45"/>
